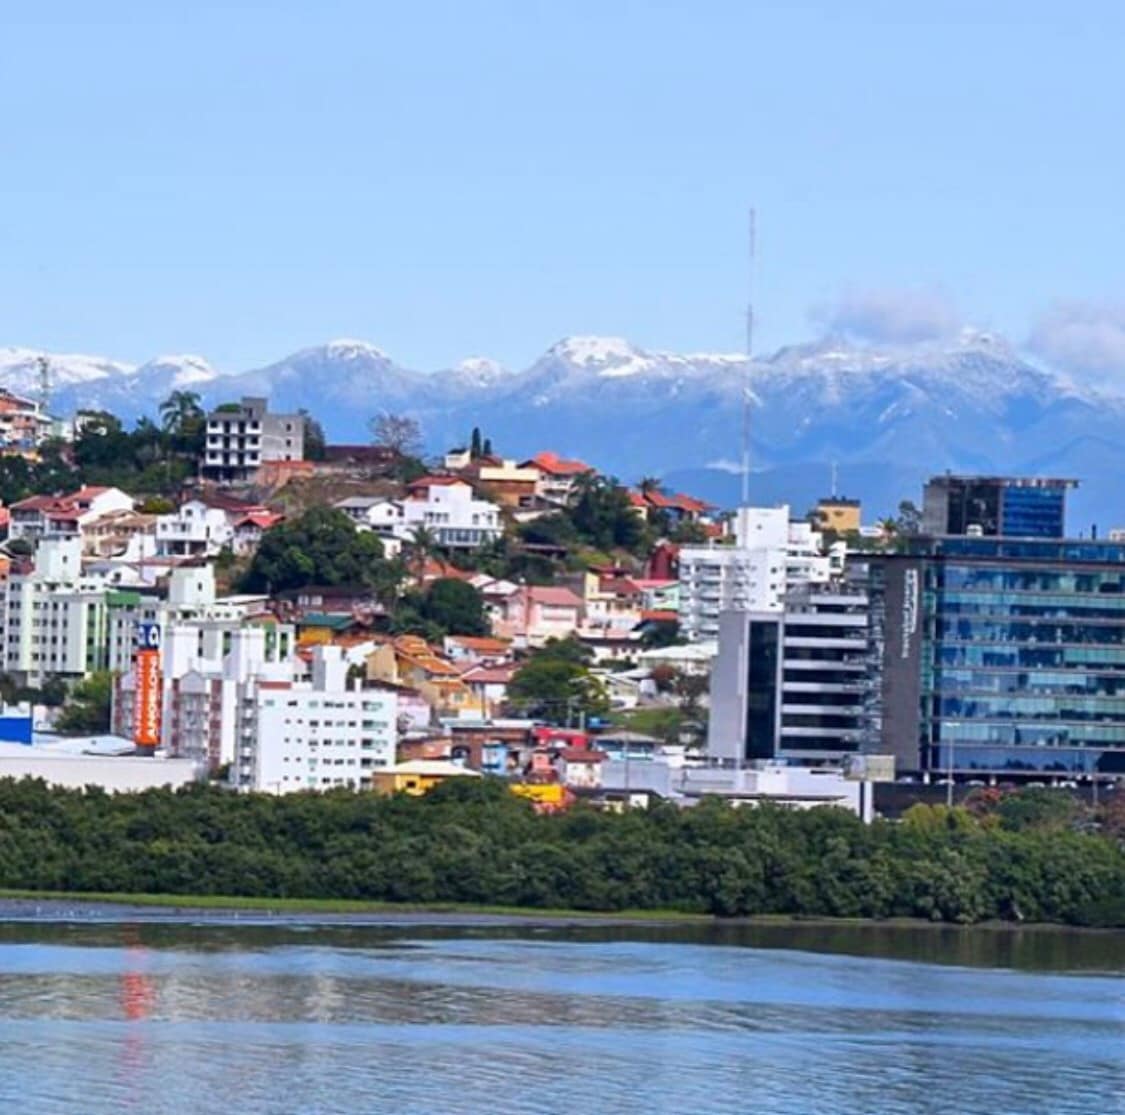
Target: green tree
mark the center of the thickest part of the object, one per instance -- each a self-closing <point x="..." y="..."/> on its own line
<point x="89" y="707"/>
<point x="555" y="683"/>
<point x="475" y="446"/>
<point x="603" y="515"/>
<point x="320" y="547"/>
<point x="182" y="414"/>
<point x="316" y="445"/>
<point x="456" y="607"/>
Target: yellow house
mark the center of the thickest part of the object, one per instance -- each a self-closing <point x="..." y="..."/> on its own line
<point x="546" y="796"/>
<point x="417" y="777"/>
<point x="409" y="660"/>
<point x="838" y="514"/>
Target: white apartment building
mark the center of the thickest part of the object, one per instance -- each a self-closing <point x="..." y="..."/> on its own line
<point x="54" y="616"/>
<point x="318" y="735"/>
<point x="193" y="530"/>
<point x="770" y="555"/>
<point x="236" y="694"/>
<point x="190" y="597"/>
<point x="447" y="507"/>
<point x="205" y="664"/>
<point x="793" y="685"/>
<point x="242" y="437"/>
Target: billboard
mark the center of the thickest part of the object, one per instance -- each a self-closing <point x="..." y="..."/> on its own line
<point x="146" y="715"/>
<point x="864" y="767"/>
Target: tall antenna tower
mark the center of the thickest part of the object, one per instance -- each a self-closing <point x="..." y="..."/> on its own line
<point x="43" y="369"/>
<point x="747" y="386"/>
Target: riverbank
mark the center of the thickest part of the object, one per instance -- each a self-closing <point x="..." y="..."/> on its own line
<point x="28" y="905"/>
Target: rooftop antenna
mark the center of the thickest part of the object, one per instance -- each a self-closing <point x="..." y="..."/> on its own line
<point x="834" y="481"/>
<point x="747" y="389"/>
<point x="43" y="369"/>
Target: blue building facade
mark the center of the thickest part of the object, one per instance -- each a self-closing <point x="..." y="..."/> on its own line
<point x="1001" y="656"/>
<point x="995" y="506"/>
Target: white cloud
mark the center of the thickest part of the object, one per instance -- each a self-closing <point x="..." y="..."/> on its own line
<point x="890" y="316"/>
<point x="1084" y="339"/>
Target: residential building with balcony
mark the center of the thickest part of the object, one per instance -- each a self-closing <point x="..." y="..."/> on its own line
<point x="315" y="735"/>
<point x="64" y="516"/>
<point x="54" y="616"/>
<point x="194" y="530"/>
<point x="770" y="555"/>
<point x="241" y="437"/>
<point x="447" y="507"/>
<point x="23" y="425"/>
<point x="794" y="684"/>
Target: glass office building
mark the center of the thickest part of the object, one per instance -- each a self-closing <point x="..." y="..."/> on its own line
<point x="995" y="506"/>
<point x="1002" y="655"/>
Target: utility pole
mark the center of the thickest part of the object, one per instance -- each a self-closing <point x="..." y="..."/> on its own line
<point x="747" y="386"/>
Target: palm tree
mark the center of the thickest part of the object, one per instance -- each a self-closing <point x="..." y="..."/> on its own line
<point x="423" y="544"/>
<point x="180" y="412"/>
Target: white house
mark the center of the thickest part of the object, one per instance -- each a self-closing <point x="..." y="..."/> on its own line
<point x="64" y="516"/>
<point x="193" y="530"/>
<point x="448" y="509"/>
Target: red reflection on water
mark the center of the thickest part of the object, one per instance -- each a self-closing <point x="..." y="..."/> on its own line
<point x="137" y="996"/>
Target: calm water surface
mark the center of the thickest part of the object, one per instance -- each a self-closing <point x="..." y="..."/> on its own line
<point x="212" y="1018"/>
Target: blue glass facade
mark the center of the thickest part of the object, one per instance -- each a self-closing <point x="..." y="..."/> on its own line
<point x="1023" y="666"/>
<point x="995" y="506"/>
<point x="1032" y="512"/>
<point x="1020" y="664"/>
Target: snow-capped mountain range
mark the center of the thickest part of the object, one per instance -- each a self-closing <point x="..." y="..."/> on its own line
<point x="886" y="415"/>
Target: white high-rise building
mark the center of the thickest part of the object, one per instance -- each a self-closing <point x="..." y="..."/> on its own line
<point x="318" y="735"/>
<point x="190" y="596"/>
<point x="770" y="555"/>
<point x="54" y="616"/>
<point x="234" y="694"/>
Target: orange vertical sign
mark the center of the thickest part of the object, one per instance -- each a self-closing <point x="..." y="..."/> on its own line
<point x="146" y="719"/>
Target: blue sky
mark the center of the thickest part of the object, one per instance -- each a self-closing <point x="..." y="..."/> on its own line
<point x="483" y="177"/>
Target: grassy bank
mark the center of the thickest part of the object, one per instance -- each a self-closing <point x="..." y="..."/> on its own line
<point x="335" y="906"/>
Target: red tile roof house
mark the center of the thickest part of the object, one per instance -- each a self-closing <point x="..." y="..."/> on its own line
<point x="489" y="687"/>
<point x="679" y="508"/>
<point x="477" y="650"/>
<point x="557" y="475"/>
<point x="249" y="529"/>
<point x="63" y="516"/>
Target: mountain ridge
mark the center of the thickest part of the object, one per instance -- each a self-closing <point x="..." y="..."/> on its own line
<point x="971" y="402"/>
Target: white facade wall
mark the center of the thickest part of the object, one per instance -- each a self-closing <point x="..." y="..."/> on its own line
<point x="771" y="555"/>
<point x="314" y="736"/>
<point x="204" y="666"/>
<point x="194" y="530"/>
<point x="54" y="617"/>
<point x="454" y="515"/>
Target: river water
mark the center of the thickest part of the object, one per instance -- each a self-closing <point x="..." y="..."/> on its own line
<point x="292" y="1018"/>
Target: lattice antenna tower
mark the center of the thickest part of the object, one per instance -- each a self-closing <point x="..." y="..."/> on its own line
<point x="747" y="386"/>
<point x="43" y="373"/>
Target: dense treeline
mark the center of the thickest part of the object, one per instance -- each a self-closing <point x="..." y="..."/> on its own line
<point x="475" y="842"/>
